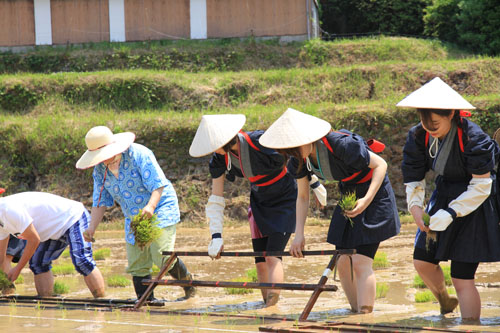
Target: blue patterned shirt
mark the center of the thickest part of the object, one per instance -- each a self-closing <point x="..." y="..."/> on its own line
<point x="139" y="175"/>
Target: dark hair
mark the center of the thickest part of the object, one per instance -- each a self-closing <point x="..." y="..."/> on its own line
<point x="426" y="118"/>
<point x="292" y="152"/>
<point x="227" y="146"/>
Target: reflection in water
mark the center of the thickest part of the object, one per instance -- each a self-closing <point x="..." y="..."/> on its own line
<point x="245" y="313"/>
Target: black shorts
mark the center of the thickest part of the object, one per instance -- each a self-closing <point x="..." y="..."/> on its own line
<point x="367" y="250"/>
<point x="459" y="270"/>
<point x="274" y="242"/>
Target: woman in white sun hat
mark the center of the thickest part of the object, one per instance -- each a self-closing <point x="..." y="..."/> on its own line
<point x="129" y="174"/>
<point x="342" y="156"/>
<point x="462" y="208"/>
<point x="272" y="197"/>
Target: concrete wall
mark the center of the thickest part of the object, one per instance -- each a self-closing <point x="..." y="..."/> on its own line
<point x="41" y="22"/>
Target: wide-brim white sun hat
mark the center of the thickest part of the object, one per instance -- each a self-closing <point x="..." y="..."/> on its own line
<point x="435" y="94"/>
<point x="102" y="144"/>
<point x="294" y="129"/>
<point x="214" y="132"/>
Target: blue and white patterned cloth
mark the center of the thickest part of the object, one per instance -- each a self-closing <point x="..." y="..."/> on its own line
<point x="139" y="175"/>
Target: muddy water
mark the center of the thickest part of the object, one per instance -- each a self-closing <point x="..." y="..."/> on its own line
<point x="397" y="308"/>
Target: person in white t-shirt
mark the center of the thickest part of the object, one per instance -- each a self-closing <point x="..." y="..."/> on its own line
<point x="49" y="223"/>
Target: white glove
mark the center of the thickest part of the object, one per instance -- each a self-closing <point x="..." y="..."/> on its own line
<point x="318" y="190"/>
<point x="215" y="216"/>
<point x="215" y="247"/>
<point x="440" y="220"/>
<point x="415" y="194"/>
<point x="478" y="191"/>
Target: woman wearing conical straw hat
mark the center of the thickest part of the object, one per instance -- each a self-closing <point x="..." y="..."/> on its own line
<point x="343" y="156"/>
<point x="271" y="215"/>
<point x="462" y="208"/>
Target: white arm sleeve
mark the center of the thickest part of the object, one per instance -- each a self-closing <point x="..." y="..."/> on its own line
<point x="318" y="189"/>
<point x="215" y="213"/>
<point x="415" y="193"/>
<point x="477" y="192"/>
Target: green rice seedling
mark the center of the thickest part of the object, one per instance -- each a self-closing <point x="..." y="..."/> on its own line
<point x="380" y="260"/>
<point x="6" y="286"/>
<point x="65" y="254"/>
<point x="424" y="296"/>
<point x="63" y="269"/>
<point x="252" y="274"/>
<point x="239" y="291"/>
<point x="418" y="282"/>
<point x="19" y="280"/>
<point x="145" y="229"/>
<point x="60" y="288"/>
<point x="155" y="270"/>
<point x="382" y="289"/>
<point x="118" y="281"/>
<point x="102" y="254"/>
<point x="348" y="202"/>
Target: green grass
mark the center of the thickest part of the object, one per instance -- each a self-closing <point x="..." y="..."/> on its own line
<point x="102" y="254"/>
<point x="238" y="291"/>
<point x="424" y="296"/>
<point x="380" y="260"/>
<point x="155" y="270"/>
<point x="382" y="289"/>
<point x="19" y="280"/>
<point x="251" y="276"/>
<point x="60" y="288"/>
<point x="118" y="281"/>
<point x="225" y="54"/>
<point x="63" y="269"/>
<point x="146" y="89"/>
<point x="65" y="254"/>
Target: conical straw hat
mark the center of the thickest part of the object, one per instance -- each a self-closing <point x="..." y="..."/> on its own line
<point x="102" y="144"/>
<point x="214" y="132"/>
<point x="294" y="129"/>
<point x="435" y="94"/>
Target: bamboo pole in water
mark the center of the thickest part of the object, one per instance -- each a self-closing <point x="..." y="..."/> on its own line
<point x="259" y="254"/>
<point x="243" y="285"/>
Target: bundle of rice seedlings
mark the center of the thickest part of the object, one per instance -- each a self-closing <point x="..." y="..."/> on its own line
<point x="6" y="286"/>
<point x="145" y="229"/>
<point x="431" y="235"/>
<point x="348" y="202"/>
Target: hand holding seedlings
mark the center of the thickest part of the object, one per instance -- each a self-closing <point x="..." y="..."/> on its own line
<point x="431" y="235"/>
<point x="145" y="229"/>
<point x="347" y="204"/>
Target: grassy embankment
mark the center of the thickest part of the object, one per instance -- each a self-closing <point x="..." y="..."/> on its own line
<point x="352" y="84"/>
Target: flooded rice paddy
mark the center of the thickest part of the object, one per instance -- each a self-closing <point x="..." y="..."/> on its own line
<point x="213" y="310"/>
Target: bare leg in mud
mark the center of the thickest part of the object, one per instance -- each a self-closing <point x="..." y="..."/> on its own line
<point x="275" y="273"/>
<point x="348" y="284"/>
<point x="469" y="299"/>
<point x="361" y="291"/>
<point x="433" y="277"/>
<point x="262" y="277"/>
<point x="44" y="284"/>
